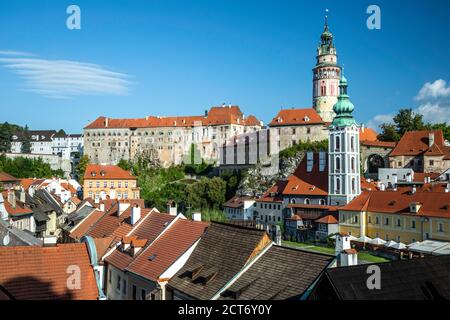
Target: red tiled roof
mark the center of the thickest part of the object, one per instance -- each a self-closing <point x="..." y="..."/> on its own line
<point x="5" y="177"/>
<point x="106" y="172"/>
<point x="215" y="116"/>
<point x="302" y="182"/>
<point x="75" y="200"/>
<point x="329" y="219"/>
<point x="274" y="193"/>
<point x="41" y="273"/>
<point x="20" y="208"/>
<point x="312" y="206"/>
<point x="414" y="143"/>
<point x="149" y="230"/>
<point x="420" y="176"/>
<point x="237" y="202"/>
<point x="167" y="249"/>
<point x="377" y="143"/>
<point x="296" y="117"/>
<point x="86" y="224"/>
<point x="367" y="134"/>
<point x="69" y="187"/>
<point x="434" y="202"/>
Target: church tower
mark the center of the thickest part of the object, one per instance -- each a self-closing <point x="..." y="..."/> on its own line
<point x="344" y="182"/>
<point x="326" y="76"/>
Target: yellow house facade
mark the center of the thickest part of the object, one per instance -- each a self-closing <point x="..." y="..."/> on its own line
<point x="399" y="215"/>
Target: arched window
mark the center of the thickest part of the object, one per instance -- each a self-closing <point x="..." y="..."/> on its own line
<point x="292" y="200"/>
<point x="353" y="184"/>
<point x="322" y="202"/>
<point x="352" y="143"/>
<point x="338" y="144"/>
<point x="338" y="185"/>
<point x="307" y="201"/>
<point x="352" y="162"/>
<point x="338" y="164"/>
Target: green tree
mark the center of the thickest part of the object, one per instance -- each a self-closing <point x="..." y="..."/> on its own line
<point x="26" y="141"/>
<point x="61" y="132"/>
<point x="81" y="168"/>
<point x="216" y="189"/>
<point x="125" y="164"/>
<point x="407" y="120"/>
<point x="440" y="126"/>
<point x="389" y="133"/>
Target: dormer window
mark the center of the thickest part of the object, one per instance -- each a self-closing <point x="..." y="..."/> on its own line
<point x="306" y="119"/>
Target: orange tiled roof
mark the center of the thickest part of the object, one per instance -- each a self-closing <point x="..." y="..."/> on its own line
<point x="5" y="177"/>
<point x="274" y="193"/>
<point x="106" y="172"/>
<point x="367" y="134"/>
<point x="215" y="116"/>
<point x="414" y="143"/>
<point x="377" y="143"/>
<point x="75" y="200"/>
<point x="167" y="249"/>
<point x="434" y="202"/>
<point x="296" y="117"/>
<point x="149" y="229"/>
<point x="86" y="224"/>
<point x="20" y="208"/>
<point x="237" y="202"/>
<point x="41" y="273"/>
<point x="329" y="219"/>
<point x="302" y="182"/>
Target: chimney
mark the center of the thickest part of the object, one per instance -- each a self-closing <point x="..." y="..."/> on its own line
<point x="22" y="195"/>
<point x="394" y="176"/>
<point x="409" y="177"/>
<point x="430" y="139"/>
<point x="122" y="207"/>
<point x="31" y="191"/>
<point x="106" y="122"/>
<point x="382" y="187"/>
<point x="50" y="241"/>
<point x="345" y="255"/>
<point x="135" y="214"/>
<point x="197" y="216"/>
<point x="102" y="207"/>
<point x="413" y="189"/>
<point x="12" y="198"/>
<point x="278" y="235"/>
<point x="97" y="200"/>
<point x="172" y="208"/>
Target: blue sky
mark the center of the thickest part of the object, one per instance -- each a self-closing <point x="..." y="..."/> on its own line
<point x="181" y="57"/>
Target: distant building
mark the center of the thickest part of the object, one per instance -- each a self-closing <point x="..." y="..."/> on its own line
<point x="239" y="208"/>
<point x="108" y="140"/>
<point x="102" y="181"/>
<point x="405" y="214"/>
<point x="7" y="181"/>
<point x="422" y="151"/>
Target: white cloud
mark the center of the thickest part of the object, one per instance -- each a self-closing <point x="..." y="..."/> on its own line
<point x="378" y="120"/>
<point x="65" y="79"/>
<point x="15" y="53"/>
<point x="434" y="112"/>
<point x="437" y="89"/>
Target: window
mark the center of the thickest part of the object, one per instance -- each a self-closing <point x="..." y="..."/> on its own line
<point x="431" y="162"/>
<point x="343" y="218"/>
<point x="355" y="219"/>
<point x="338" y="164"/>
<point x="353" y="164"/>
<point x="307" y="201"/>
<point x="124" y="288"/>
<point x="399" y="223"/>
<point x="440" y="227"/>
<point x="143" y="294"/>
<point x="279" y="219"/>
<point x="377" y="220"/>
<point x="119" y="184"/>
<point x="308" y="130"/>
<point x="90" y="184"/>
<point x="118" y="283"/>
<point x="352" y="144"/>
<point x="126" y="184"/>
<point x="338" y="144"/>
<point x="386" y="221"/>
<point x="413" y="224"/>
<point x="353" y="185"/>
<point x="338" y="185"/>
<point x="105" y="184"/>
<point x="111" y="184"/>
<point x="322" y="202"/>
<point x="370" y="219"/>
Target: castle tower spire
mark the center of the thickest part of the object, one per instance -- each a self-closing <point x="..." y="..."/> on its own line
<point x="344" y="177"/>
<point x="326" y="75"/>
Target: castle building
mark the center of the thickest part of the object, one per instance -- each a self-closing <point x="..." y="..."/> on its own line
<point x="326" y="76"/>
<point x="107" y="140"/>
<point x="343" y="152"/>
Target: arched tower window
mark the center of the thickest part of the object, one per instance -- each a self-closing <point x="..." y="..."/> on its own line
<point x="353" y="164"/>
<point x="338" y="144"/>
<point x="338" y="185"/>
<point x="338" y="164"/>
<point x="353" y="184"/>
<point x="352" y="143"/>
<point x="307" y="201"/>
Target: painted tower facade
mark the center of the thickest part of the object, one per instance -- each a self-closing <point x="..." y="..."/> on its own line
<point x="326" y="75"/>
<point x="344" y="182"/>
